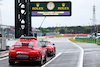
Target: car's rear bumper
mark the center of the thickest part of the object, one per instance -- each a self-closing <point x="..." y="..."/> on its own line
<point x="50" y="52"/>
<point x="29" y="59"/>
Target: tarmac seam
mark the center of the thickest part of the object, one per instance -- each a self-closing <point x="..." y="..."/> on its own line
<point x="80" y="63"/>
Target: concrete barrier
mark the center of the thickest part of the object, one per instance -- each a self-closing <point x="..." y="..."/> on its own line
<point x="2" y="43"/>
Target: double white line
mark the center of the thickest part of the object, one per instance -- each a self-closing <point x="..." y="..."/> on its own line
<point x="80" y="62"/>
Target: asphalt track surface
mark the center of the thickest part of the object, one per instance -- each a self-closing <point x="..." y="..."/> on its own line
<point x="91" y="54"/>
<point x="67" y="55"/>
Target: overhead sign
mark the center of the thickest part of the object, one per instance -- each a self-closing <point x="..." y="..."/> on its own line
<point x="62" y="8"/>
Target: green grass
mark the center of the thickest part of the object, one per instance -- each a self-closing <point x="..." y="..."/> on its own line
<point x="51" y="37"/>
<point x="42" y="38"/>
<point x="73" y="40"/>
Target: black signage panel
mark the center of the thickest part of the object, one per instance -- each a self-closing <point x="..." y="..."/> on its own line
<point x="50" y="8"/>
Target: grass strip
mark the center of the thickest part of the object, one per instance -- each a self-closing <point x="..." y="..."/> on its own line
<point x="76" y="41"/>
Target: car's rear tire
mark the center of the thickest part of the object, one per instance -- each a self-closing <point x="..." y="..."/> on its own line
<point x="11" y="62"/>
<point x="54" y="53"/>
<point x="40" y="62"/>
<point x="45" y="59"/>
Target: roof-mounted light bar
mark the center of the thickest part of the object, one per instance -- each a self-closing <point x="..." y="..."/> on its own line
<point x="28" y="38"/>
<point x="21" y="38"/>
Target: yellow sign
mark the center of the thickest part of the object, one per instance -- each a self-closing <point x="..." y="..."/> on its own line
<point x="63" y="4"/>
<point x="37" y="4"/>
<point x="37" y="8"/>
<point x="63" y="7"/>
<point x="51" y="13"/>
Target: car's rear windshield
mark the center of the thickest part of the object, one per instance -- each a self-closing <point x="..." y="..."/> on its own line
<point x="25" y="44"/>
<point x="44" y="43"/>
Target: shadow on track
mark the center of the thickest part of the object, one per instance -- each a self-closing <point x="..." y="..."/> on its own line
<point x="29" y="64"/>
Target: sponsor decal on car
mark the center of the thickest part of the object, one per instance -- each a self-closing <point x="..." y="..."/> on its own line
<point x="20" y="52"/>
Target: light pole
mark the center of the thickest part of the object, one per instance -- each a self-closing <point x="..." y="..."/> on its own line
<point x="42" y="22"/>
<point x="96" y="25"/>
<point x="95" y="20"/>
<point x="1" y="20"/>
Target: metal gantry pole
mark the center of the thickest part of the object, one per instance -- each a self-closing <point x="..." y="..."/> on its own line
<point x="42" y="22"/>
<point x="28" y="19"/>
<point x="22" y="18"/>
<point x="1" y="20"/>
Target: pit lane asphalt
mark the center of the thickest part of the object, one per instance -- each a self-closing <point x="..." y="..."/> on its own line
<point x="91" y="54"/>
<point x="68" y="58"/>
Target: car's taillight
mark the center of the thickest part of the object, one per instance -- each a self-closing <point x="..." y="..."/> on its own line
<point x="33" y="48"/>
<point x="37" y="55"/>
<point x="13" y="48"/>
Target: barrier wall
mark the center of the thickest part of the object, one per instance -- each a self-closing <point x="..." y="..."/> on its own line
<point x="67" y="35"/>
<point x="76" y="34"/>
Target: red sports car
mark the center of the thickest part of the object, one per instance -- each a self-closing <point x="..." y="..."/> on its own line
<point x="29" y="50"/>
<point x="51" y="49"/>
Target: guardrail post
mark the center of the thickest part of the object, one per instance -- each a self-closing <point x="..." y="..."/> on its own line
<point x="97" y="41"/>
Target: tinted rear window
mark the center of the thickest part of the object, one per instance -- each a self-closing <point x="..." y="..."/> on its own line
<point x="44" y="43"/>
<point x="25" y="44"/>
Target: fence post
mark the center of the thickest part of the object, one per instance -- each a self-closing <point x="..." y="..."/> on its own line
<point x="97" y="41"/>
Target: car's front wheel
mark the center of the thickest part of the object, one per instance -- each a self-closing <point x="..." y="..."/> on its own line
<point x="54" y="53"/>
<point x="40" y="62"/>
<point x="11" y="62"/>
<point x="45" y="59"/>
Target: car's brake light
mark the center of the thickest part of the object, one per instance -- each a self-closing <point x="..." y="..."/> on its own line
<point x="13" y="48"/>
<point x="32" y="47"/>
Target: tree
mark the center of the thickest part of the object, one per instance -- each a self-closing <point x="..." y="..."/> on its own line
<point x="62" y="31"/>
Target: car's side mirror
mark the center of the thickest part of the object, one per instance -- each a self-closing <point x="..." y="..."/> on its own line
<point x="53" y="44"/>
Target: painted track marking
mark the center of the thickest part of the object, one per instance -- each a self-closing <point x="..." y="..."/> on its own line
<point x="4" y="58"/>
<point x="52" y="59"/>
<point x="80" y="62"/>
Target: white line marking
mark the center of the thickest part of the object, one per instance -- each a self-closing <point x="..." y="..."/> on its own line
<point x="49" y="40"/>
<point x="80" y="63"/>
<point x="4" y="58"/>
<point x="52" y="59"/>
<point x="71" y="52"/>
<point x="59" y="41"/>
